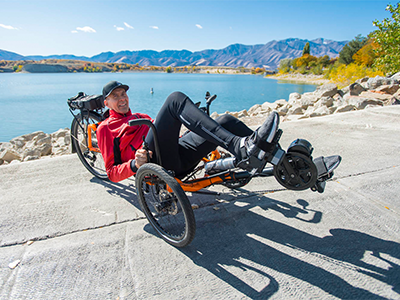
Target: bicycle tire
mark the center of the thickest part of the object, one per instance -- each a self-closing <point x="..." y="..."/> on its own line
<point x="170" y="214"/>
<point x="93" y="161"/>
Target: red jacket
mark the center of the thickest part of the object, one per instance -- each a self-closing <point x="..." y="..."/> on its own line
<point x="131" y="139"/>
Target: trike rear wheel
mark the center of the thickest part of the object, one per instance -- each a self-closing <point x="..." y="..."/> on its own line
<point x="165" y="205"/>
<point x="90" y="158"/>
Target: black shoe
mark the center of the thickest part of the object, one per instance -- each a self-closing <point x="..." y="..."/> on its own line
<point x="257" y="147"/>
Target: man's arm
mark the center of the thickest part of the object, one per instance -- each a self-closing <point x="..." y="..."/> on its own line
<point x="115" y="172"/>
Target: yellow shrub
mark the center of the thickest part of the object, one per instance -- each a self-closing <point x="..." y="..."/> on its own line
<point x="347" y="74"/>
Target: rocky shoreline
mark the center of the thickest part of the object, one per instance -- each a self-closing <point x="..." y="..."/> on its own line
<point x="325" y="100"/>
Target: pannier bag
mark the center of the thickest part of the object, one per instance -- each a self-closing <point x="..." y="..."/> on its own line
<point x="89" y="102"/>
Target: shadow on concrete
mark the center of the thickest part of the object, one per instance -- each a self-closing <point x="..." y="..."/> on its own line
<point x="126" y="190"/>
<point x="248" y="241"/>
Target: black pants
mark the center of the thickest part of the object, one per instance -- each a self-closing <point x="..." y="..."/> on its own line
<point x="182" y="154"/>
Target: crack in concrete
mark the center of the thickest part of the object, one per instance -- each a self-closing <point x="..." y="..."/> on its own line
<point x="56" y="235"/>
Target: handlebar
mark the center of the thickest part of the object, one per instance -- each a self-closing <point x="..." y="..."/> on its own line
<point x="209" y="100"/>
<point x="153" y="128"/>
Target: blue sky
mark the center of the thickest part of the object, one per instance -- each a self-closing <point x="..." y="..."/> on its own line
<point x="89" y="27"/>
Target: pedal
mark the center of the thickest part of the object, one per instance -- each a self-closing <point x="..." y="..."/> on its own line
<point x="325" y="167"/>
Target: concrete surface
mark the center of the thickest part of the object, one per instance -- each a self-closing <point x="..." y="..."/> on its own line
<point x="73" y="236"/>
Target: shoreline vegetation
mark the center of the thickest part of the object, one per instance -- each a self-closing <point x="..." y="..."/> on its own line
<point x="75" y="66"/>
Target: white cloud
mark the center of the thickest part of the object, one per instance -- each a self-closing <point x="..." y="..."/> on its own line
<point x="8" y="27"/>
<point x="127" y="25"/>
<point x="154" y="27"/>
<point x="74" y="31"/>
<point x="119" y="28"/>
<point x="199" y="26"/>
<point x="86" y="29"/>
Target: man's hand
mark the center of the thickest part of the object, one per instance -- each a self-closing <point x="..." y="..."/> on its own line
<point x="141" y="157"/>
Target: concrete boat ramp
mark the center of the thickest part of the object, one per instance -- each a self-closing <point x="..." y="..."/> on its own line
<point x="67" y="235"/>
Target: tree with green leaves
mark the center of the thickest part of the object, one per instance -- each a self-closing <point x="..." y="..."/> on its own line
<point x="306" y="49"/>
<point x="387" y="37"/>
<point x="351" y="48"/>
<point x="285" y="65"/>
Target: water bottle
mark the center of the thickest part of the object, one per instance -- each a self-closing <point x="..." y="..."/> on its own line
<point x="219" y="165"/>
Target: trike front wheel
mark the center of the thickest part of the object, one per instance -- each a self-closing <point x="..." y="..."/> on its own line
<point x="165" y="205"/>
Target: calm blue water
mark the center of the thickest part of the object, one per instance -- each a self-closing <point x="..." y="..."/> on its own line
<point x="32" y="102"/>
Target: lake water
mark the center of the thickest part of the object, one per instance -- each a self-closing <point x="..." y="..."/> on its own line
<point x="33" y="102"/>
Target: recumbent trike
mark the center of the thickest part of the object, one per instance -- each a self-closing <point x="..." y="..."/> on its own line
<point x="162" y="197"/>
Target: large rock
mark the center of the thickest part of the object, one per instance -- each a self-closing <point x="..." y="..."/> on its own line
<point x="38" y="140"/>
<point x="376" y="96"/>
<point x="362" y="80"/>
<point x="308" y="99"/>
<point x="283" y="110"/>
<point x="294" y="98"/>
<point x="9" y="155"/>
<point x="45" y="149"/>
<point x="18" y="142"/>
<point x="6" y="145"/>
<point x="356" y="89"/>
<point x="326" y="90"/>
<point x="393" y="101"/>
<point x="274" y="106"/>
<point x="254" y="108"/>
<point x="324" y="101"/>
<point x="396" y="76"/>
<point x="31" y="153"/>
<point x="60" y="133"/>
<point x="388" y="89"/>
<point x="320" y="111"/>
<point x="296" y="110"/>
<point x="345" y="108"/>
<point x="338" y="100"/>
<point x="361" y="102"/>
<point x="377" y="81"/>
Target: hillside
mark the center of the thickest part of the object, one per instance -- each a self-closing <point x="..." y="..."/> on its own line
<point x="237" y="55"/>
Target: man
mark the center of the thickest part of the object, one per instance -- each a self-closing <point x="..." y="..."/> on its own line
<point x="121" y="144"/>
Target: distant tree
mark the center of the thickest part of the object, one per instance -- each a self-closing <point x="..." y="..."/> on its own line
<point x="306" y="49"/>
<point x="257" y="70"/>
<point x="323" y="61"/>
<point x="168" y="70"/>
<point x="366" y="55"/>
<point x="304" y="61"/>
<point x="351" y="48"/>
<point x="285" y="65"/>
<point x="387" y="36"/>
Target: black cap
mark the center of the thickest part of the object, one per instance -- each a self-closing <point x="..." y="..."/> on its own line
<point x="112" y="85"/>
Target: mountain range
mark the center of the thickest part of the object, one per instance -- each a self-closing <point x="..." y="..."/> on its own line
<point x="236" y="55"/>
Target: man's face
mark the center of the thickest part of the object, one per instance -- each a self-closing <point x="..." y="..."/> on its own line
<point x="118" y="101"/>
